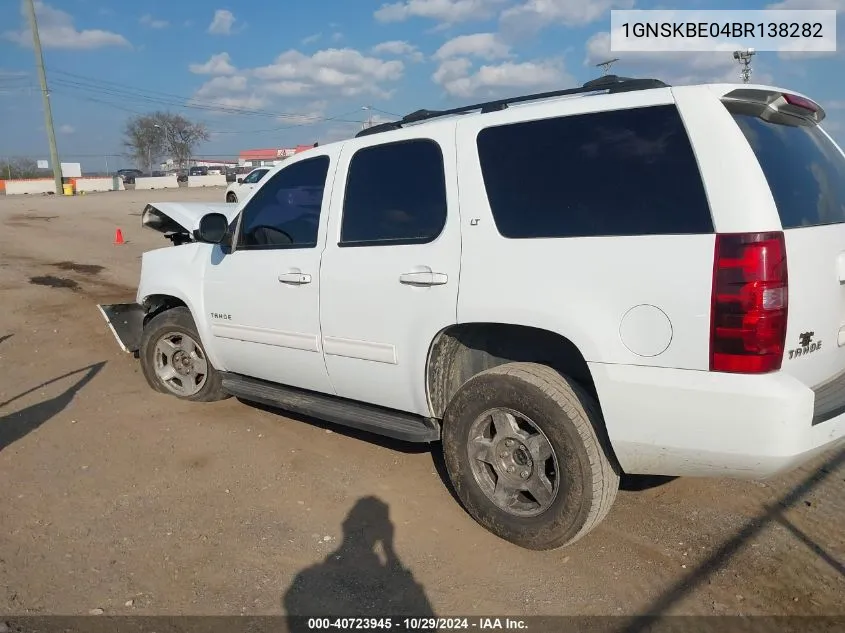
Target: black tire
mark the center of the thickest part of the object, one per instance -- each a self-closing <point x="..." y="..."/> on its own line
<point x="569" y="419"/>
<point x="177" y="321"/>
<point x="230" y="197"/>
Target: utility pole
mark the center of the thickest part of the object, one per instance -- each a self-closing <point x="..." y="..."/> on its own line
<point x="45" y="95"/>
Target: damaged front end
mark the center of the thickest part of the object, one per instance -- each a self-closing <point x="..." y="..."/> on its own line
<point x="178" y="221"/>
<point x="126" y="322"/>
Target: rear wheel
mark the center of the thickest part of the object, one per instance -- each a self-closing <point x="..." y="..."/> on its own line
<point x="173" y="358"/>
<point x="524" y="455"/>
<point x="231" y="197"/>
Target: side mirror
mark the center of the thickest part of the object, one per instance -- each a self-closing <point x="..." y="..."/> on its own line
<point x="240" y="181"/>
<point x="213" y="228"/>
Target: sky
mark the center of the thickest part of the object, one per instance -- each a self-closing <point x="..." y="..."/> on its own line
<point x="284" y="72"/>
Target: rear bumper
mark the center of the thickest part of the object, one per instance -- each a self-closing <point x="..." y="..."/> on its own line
<point x="126" y="322"/>
<point x="694" y="423"/>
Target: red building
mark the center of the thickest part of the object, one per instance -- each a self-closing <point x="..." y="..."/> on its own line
<point x="270" y="156"/>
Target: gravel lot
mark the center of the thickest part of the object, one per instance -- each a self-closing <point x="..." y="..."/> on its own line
<point x="117" y="498"/>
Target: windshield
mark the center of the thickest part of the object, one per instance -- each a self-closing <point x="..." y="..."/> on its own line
<point x="804" y="168"/>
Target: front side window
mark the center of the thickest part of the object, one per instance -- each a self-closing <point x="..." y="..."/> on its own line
<point x="285" y="210"/>
<point x="395" y="194"/>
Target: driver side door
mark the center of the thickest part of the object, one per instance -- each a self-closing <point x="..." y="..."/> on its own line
<point x="261" y="295"/>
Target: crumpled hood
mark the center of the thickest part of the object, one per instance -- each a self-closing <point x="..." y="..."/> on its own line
<point x="182" y="217"/>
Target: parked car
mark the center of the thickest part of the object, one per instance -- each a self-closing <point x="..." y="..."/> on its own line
<point x="242" y="186"/>
<point x="636" y="279"/>
<point x="198" y="171"/>
<point x="129" y="175"/>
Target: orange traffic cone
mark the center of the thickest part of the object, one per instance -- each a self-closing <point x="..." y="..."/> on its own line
<point x="118" y="237"/>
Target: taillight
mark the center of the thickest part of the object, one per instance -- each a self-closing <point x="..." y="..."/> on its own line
<point x="801" y="102"/>
<point x="749" y="303"/>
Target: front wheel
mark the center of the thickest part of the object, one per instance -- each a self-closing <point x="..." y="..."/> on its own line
<point x="173" y="358"/>
<point x="523" y="450"/>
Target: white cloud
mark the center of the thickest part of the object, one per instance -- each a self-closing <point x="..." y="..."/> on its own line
<point x="221" y="86"/>
<point x="315" y="112"/>
<point x="66" y="129"/>
<point x="315" y="80"/>
<point x="530" y="16"/>
<point x="399" y="48"/>
<point x="311" y="39"/>
<point x="458" y="80"/>
<point x="228" y="93"/>
<point x="150" y="21"/>
<point x="836" y="5"/>
<point x="219" y="64"/>
<point x="345" y="71"/>
<point x="222" y="23"/>
<point x="445" y="11"/>
<point x="483" y="45"/>
<point x="246" y="102"/>
<point x="673" y="67"/>
<point x="57" y="30"/>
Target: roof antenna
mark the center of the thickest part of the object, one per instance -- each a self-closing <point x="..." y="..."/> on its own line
<point x="744" y="59"/>
<point x="605" y="65"/>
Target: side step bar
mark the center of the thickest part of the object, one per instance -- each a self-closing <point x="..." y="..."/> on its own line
<point x="396" y="424"/>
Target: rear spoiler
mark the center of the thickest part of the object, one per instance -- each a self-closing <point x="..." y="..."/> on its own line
<point x="774" y="106"/>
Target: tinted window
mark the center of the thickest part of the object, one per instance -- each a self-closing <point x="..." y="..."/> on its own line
<point x="628" y="172"/>
<point x="285" y="210"/>
<point x="804" y="169"/>
<point x="395" y="193"/>
<point x="255" y="176"/>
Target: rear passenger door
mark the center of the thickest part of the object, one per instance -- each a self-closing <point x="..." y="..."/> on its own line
<point x="389" y="276"/>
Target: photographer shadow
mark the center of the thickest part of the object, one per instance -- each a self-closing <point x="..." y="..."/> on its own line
<point x="362" y="578"/>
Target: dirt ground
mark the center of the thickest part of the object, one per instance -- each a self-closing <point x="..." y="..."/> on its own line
<point x="117" y="498"/>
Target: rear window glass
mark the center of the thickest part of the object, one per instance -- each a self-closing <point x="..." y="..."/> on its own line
<point x="804" y="169"/>
<point x="624" y="172"/>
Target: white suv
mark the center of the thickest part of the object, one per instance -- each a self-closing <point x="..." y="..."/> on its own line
<point x="625" y="277"/>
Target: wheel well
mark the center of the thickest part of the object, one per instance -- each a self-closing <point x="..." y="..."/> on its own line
<point x="156" y="304"/>
<point x="461" y="351"/>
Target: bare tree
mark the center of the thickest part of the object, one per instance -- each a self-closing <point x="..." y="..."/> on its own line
<point x="21" y="168"/>
<point x="149" y="137"/>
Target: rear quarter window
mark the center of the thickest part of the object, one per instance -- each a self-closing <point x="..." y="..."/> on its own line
<point x="624" y="172"/>
<point x="804" y="168"/>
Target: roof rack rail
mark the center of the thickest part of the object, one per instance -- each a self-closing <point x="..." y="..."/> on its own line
<point x="608" y="84"/>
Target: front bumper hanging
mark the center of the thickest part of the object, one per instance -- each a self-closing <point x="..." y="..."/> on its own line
<point x="126" y="322"/>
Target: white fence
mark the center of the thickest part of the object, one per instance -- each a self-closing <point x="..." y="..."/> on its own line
<point x="89" y="185"/>
<point x="41" y="185"/>
<point x="207" y="181"/>
<point x="157" y="182"/>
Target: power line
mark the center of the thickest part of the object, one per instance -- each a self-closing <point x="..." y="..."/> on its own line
<point x="313" y="120"/>
<point x="117" y="89"/>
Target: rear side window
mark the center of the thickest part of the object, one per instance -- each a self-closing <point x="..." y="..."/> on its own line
<point x="626" y="172"/>
<point x="804" y="169"/>
<point x="395" y="194"/>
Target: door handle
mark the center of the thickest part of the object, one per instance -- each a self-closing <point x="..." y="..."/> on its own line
<point x="424" y="277"/>
<point x="295" y="277"/>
